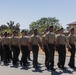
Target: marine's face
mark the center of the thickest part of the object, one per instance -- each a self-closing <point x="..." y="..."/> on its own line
<point x="50" y="29"/>
<point x="35" y="32"/>
<point x="5" y="35"/>
<point x="14" y="34"/>
<point x="23" y="33"/>
<point x="72" y="32"/>
<point x="61" y="31"/>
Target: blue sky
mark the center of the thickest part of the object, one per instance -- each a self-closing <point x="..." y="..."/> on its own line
<point x="27" y="11"/>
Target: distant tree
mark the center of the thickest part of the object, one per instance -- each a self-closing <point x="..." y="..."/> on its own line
<point x="10" y="26"/>
<point x="7" y="30"/>
<point x="17" y="27"/>
<point x="43" y="23"/>
<point x="2" y="27"/>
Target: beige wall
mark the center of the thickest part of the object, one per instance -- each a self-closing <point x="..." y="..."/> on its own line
<point x="75" y="29"/>
<point x="73" y="26"/>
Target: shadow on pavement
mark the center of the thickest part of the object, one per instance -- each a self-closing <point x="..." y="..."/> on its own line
<point x="25" y="68"/>
<point x="74" y="69"/>
<point x="14" y="66"/>
<point x="56" y="73"/>
<point x="67" y="71"/>
<point x="62" y="71"/>
<point x="38" y="70"/>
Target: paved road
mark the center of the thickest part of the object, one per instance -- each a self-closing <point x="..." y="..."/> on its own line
<point x="10" y="70"/>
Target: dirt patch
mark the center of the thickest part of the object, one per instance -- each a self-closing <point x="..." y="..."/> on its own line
<point x="56" y="53"/>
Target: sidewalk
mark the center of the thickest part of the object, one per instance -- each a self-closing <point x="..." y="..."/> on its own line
<point x="9" y="70"/>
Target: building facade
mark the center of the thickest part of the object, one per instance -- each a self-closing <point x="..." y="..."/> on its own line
<point x="72" y="25"/>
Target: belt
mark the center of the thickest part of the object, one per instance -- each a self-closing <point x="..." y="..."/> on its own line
<point x="14" y="45"/>
<point x="23" y="45"/>
<point x="35" y="45"/>
<point x="6" y="44"/>
<point x="51" y="44"/>
<point x="72" y="44"/>
<point x="62" y="44"/>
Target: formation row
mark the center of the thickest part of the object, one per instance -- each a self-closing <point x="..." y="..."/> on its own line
<point x="10" y="47"/>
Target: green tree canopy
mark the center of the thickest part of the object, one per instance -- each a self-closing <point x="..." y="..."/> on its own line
<point x="2" y="27"/>
<point x="43" y="23"/>
<point x="13" y="26"/>
<point x="10" y="26"/>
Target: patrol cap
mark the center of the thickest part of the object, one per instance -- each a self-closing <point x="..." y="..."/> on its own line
<point x="5" y="33"/>
<point x="35" y="29"/>
<point x="46" y="29"/>
<point x="14" y="31"/>
<point x="25" y="31"/>
<point x="61" y="28"/>
<point x="22" y="31"/>
<point x="57" y="30"/>
<point x="51" y="26"/>
<point x="71" y="29"/>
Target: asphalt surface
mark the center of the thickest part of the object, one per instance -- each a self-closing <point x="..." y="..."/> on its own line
<point x="18" y="70"/>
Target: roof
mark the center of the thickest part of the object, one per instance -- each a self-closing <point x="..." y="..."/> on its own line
<point x="73" y="23"/>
